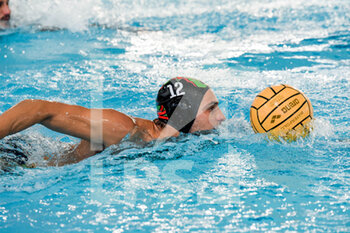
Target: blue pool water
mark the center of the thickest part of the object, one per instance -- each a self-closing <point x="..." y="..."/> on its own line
<point x="229" y="181"/>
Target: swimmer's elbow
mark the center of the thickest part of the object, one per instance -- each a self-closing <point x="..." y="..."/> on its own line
<point x="44" y="109"/>
<point x="37" y="109"/>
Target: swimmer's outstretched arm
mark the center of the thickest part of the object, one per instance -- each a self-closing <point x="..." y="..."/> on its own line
<point x="73" y="120"/>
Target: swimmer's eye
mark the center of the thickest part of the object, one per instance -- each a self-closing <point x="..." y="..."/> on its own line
<point x="2" y="3"/>
<point x="212" y="107"/>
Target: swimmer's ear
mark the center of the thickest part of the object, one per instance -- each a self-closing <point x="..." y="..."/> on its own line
<point x="159" y="124"/>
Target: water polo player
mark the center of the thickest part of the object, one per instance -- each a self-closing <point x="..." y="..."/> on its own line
<point x="184" y="105"/>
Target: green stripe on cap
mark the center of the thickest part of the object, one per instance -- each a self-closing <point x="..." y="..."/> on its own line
<point x="198" y="83"/>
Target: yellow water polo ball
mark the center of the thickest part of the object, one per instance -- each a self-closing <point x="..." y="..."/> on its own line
<point x="282" y="112"/>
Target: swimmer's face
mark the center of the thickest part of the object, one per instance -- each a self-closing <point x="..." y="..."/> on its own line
<point x="209" y="114"/>
<point x="5" y="11"/>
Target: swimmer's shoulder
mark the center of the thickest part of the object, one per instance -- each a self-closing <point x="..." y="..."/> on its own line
<point x="116" y="126"/>
<point x="119" y="118"/>
<point x="138" y="129"/>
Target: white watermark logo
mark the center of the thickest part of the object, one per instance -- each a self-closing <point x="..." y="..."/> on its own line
<point x="143" y="179"/>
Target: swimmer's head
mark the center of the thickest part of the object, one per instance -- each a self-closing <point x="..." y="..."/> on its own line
<point x="5" y="11"/>
<point x="188" y="105"/>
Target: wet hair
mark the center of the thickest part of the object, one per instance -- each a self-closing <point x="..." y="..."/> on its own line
<point x="178" y="101"/>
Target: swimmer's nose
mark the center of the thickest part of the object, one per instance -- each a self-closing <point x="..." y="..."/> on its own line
<point x="6" y="12"/>
<point x="220" y="117"/>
